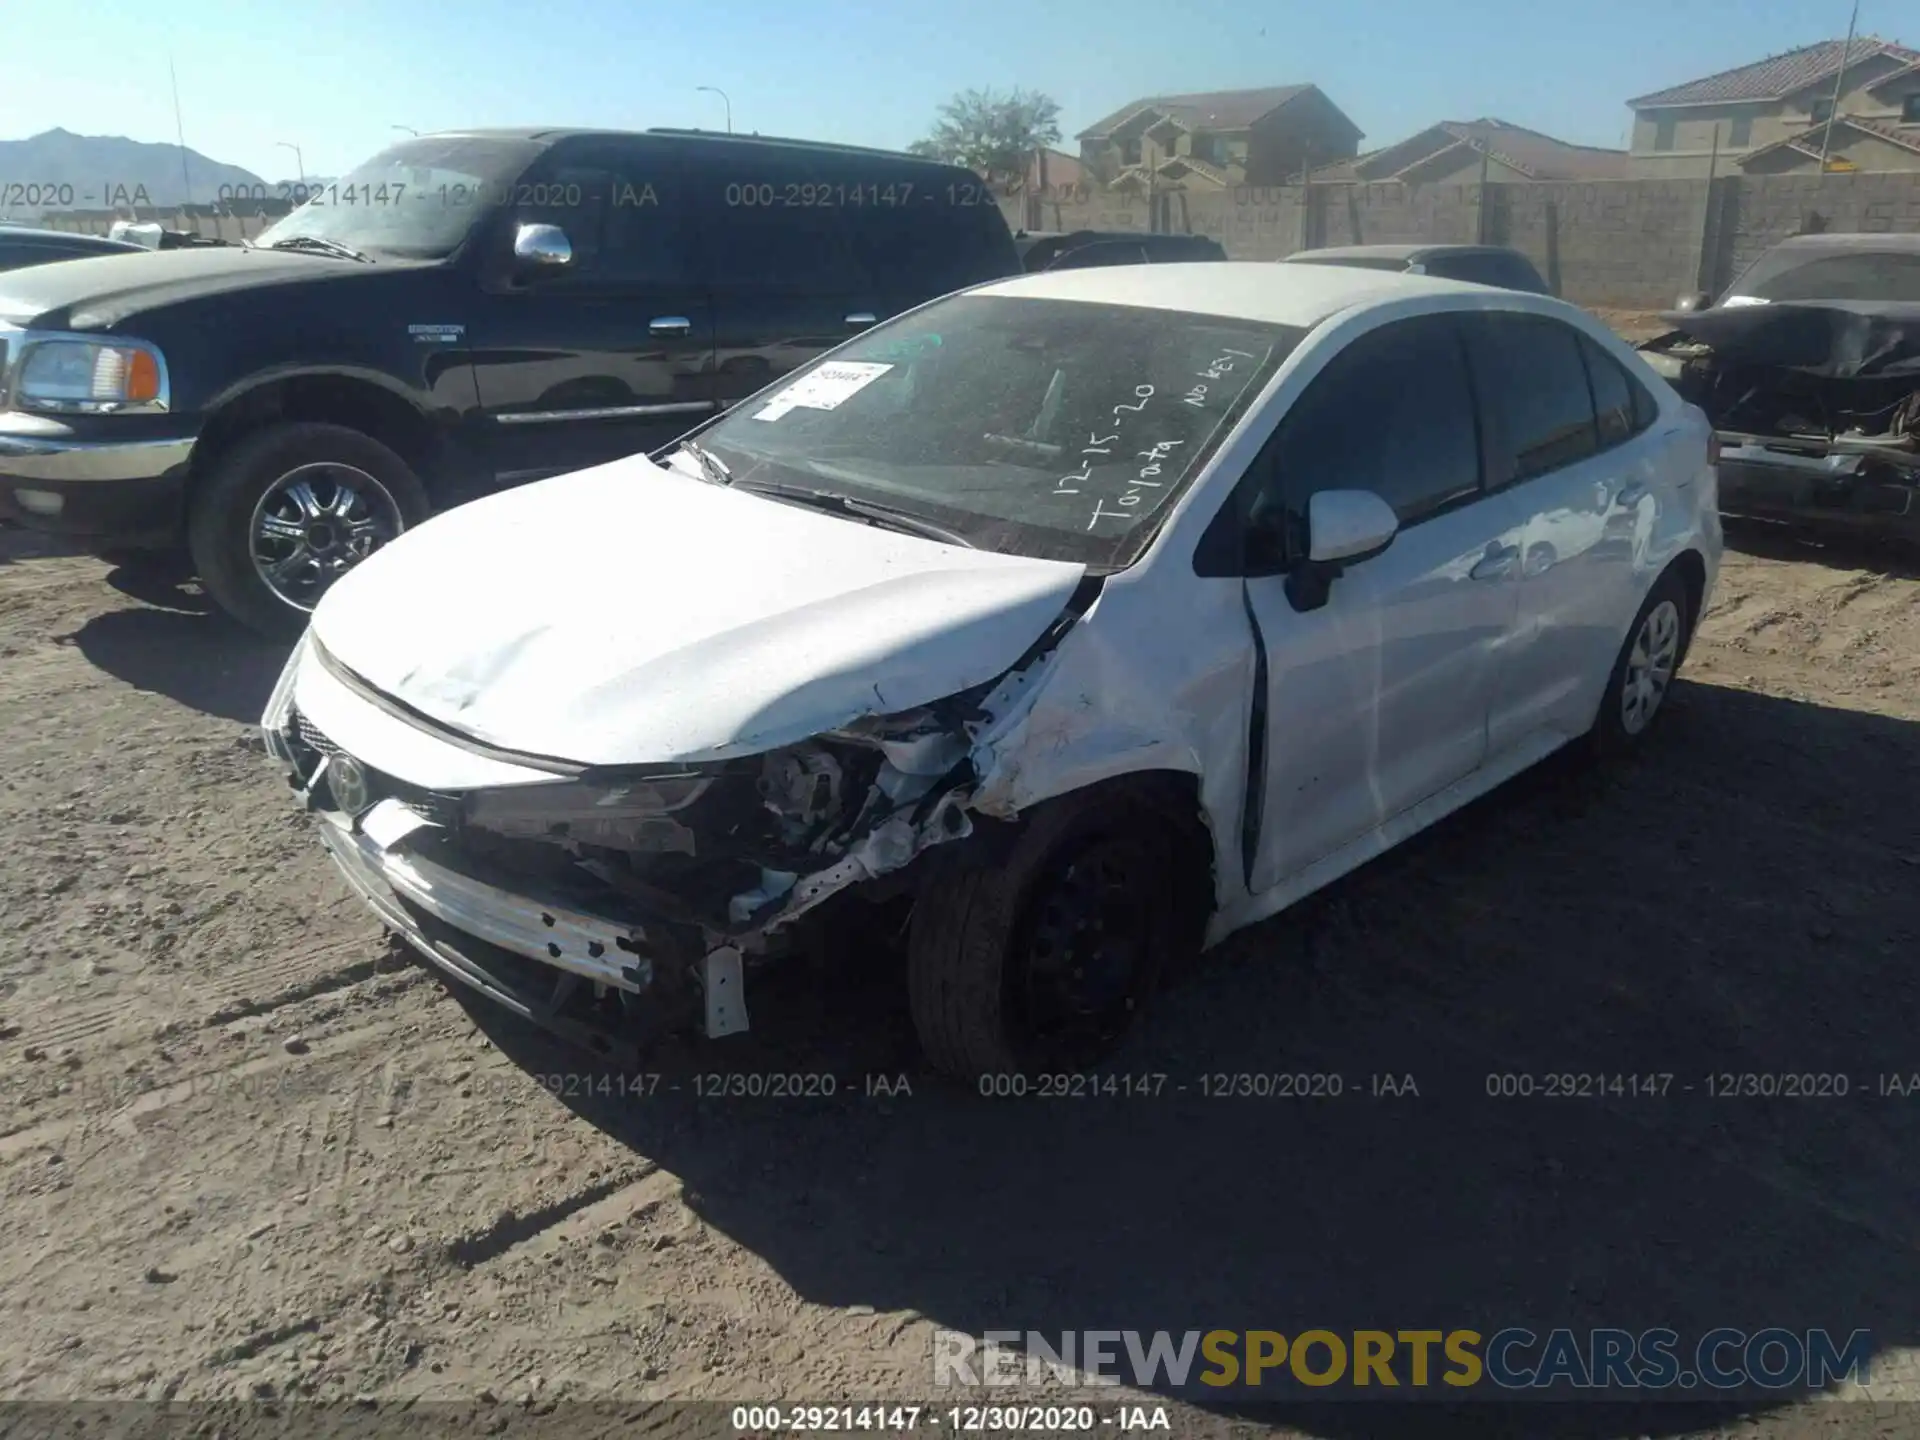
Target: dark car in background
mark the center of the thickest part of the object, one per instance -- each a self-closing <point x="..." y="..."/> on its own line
<point x="1078" y="249"/>
<point x="23" y="245"/>
<point x="463" y="312"/>
<point x="1479" y="264"/>
<point x="1809" y="369"/>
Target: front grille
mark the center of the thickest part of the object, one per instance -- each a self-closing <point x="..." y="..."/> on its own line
<point x="435" y="806"/>
<point x="312" y="736"/>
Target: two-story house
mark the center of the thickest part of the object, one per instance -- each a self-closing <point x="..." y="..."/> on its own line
<point x="1219" y="139"/>
<point x="1770" y="117"/>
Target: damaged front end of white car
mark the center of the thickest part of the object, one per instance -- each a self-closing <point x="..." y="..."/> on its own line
<point x="613" y="903"/>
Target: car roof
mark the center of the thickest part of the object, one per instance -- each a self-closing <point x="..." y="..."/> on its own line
<point x="1394" y="252"/>
<point x="553" y="135"/>
<point x="36" y="235"/>
<point x="1886" y="241"/>
<point x="1239" y="289"/>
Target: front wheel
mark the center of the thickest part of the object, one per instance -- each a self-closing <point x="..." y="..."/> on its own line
<point x="289" y="510"/>
<point x="1042" y="964"/>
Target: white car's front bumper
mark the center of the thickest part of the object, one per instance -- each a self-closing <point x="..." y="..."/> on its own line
<point x="603" y="951"/>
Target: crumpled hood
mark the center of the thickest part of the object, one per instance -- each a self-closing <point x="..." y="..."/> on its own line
<point x="629" y="614"/>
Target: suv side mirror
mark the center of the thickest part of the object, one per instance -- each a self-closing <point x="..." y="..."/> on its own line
<point x="1344" y="527"/>
<point x="541" y="247"/>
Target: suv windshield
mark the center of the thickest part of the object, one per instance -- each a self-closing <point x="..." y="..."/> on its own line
<point x="416" y="200"/>
<point x="1050" y="428"/>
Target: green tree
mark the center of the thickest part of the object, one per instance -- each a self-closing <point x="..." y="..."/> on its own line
<point x="992" y="133"/>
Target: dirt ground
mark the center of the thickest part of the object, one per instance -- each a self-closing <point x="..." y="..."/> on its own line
<point x="250" y="1150"/>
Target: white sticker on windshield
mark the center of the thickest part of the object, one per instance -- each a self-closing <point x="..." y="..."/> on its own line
<point x="826" y="388"/>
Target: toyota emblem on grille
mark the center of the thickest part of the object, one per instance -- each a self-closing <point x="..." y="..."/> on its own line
<point x="348" y="782"/>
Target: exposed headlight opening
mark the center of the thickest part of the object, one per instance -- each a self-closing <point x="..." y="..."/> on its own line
<point x="629" y="814"/>
<point x="86" y="375"/>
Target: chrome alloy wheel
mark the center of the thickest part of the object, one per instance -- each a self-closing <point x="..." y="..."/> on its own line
<point x="315" y="523"/>
<point x="1650" y="667"/>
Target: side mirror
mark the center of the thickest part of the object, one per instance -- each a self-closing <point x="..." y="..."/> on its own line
<point x="1693" y="300"/>
<point x="1343" y="528"/>
<point x="1348" y="525"/>
<point x="542" y="247"/>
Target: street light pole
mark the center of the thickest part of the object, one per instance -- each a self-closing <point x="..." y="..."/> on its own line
<point x="299" y="163"/>
<point x="716" y="90"/>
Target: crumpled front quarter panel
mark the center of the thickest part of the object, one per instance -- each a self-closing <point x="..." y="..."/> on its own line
<point x="1157" y="676"/>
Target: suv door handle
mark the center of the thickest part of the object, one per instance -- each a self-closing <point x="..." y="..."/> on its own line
<point x="862" y="317"/>
<point x="1496" y="563"/>
<point x="1630" y="494"/>
<point x="670" y="325"/>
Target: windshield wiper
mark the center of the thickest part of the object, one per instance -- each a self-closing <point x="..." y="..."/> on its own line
<point x="711" y="465"/>
<point x="886" y="515"/>
<point x="320" y="245"/>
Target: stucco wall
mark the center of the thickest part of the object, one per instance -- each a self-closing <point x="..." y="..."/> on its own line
<point x="1627" y="243"/>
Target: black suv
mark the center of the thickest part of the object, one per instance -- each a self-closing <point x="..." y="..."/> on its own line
<point x="463" y="312"/>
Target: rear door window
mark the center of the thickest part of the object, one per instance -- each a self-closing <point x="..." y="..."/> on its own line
<point x="1532" y="384"/>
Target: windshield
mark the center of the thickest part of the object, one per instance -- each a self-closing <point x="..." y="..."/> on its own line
<point x="1855" y="275"/>
<point x="416" y="200"/>
<point x="1050" y="428"/>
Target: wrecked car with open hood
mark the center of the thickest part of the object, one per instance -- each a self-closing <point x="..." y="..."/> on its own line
<point x="1809" y="368"/>
<point x="1012" y="611"/>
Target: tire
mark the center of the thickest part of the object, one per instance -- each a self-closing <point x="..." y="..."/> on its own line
<point x="983" y="943"/>
<point x="255" y="485"/>
<point x="1648" y="661"/>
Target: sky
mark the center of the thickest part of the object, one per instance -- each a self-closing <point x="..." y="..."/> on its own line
<point x="336" y="78"/>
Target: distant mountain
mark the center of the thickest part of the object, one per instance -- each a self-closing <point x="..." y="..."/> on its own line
<point x="58" y="170"/>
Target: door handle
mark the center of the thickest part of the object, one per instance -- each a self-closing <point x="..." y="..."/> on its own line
<point x="1496" y="563"/>
<point x="1629" y="495"/>
<point x="862" y="317"/>
<point x="670" y="325"/>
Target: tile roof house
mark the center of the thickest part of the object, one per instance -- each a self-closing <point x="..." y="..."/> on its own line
<point x="1770" y="117"/>
<point x="1455" y="150"/>
<point x="1220" y="138"/>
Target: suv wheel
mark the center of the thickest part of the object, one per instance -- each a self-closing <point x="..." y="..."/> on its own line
<point x="290" y="509"/>
<point x="1042" y="965"/>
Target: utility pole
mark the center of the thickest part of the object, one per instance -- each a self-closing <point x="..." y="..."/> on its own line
<point x="1839" y="81"/>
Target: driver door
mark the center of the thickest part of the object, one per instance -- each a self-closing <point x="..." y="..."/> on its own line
<point x="1379" y="698"/>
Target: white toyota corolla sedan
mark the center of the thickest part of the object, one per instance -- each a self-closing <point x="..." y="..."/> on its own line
<point x="1094" y="615"/>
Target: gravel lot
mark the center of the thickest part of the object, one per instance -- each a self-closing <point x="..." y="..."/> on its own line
<point x="249" y="1149"/>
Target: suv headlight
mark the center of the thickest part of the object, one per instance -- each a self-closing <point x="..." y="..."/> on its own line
<point x="87" y="376"/>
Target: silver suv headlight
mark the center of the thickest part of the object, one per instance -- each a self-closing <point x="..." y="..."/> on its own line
<point x="86" y="375"/>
